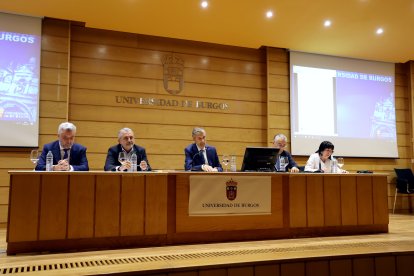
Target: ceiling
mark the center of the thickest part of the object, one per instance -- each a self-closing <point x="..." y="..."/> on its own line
<point x="296" y="24"/>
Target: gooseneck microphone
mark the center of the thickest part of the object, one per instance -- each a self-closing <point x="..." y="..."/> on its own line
<point x="194" y="156"/>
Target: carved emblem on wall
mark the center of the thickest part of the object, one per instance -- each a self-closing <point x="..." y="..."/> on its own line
<point x="173" y="74"/>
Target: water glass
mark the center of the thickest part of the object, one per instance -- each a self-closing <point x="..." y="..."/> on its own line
<point x="283" y="162"/>
<point x="34" y="156"/>
<point x="122" y="157"/>
<point x="226" y="161"/>
<point x="340" y="161"/>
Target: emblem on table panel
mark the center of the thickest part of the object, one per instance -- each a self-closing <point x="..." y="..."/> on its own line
<point x="231" y="189"/>
<point x="173" y="74"/>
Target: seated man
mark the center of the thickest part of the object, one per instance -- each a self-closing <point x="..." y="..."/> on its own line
<point x="126" y="144"/>
<point x="67" y="156"/>
<point x="199" y="156"/>
<point x="279" y="141"/>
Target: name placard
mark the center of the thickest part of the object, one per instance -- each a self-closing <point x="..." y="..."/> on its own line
<point x="229" y="195"/>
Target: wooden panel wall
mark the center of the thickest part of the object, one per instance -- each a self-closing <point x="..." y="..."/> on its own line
<point x="83" y="70"/>
<point x="106" y="65"/>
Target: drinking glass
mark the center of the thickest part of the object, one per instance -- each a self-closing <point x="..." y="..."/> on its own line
<point x="226" y="161"/>
<point x="283" y="162"/>
<point x="34" y="156"/>
<point x="340" y="161"/>
<point x="122" y="157"/>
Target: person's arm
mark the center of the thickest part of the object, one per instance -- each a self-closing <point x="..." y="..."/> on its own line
<point x="292" y="164"/>
<point x="111" y="163"/>
<point x="189" y="162"/>
<point x="41" y="163"/>
<point x="83" y="164"/>
<point x="312" y="164"/>
<point x="217" y="162"/>
<point x="143" y="156"/>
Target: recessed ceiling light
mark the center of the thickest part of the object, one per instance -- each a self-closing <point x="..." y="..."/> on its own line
<point x="269" y="14"/>
<point x="204" y="4"/>
<point x="379" y="31"/>
<point x="327" y="23"/>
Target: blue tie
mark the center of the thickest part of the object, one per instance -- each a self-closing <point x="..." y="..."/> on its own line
<point x="65" y="155"/>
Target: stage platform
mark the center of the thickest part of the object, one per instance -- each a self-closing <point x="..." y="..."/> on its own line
<point x="379" y="254"/>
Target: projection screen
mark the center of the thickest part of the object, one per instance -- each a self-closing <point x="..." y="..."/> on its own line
<point x="346" y="101"/>
<point x="20" y="43"/>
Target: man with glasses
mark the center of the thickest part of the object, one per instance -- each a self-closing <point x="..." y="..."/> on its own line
<point x="126" y="143"/>
<point x="279" y="142"/>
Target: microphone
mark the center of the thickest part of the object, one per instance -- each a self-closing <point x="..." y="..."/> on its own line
<point x="194" y="156"/>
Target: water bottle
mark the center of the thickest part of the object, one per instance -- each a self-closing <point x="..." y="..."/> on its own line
<point x="233" y="166"/>
<point x="334" y="168"/>
<point x="133" y="162"/>
<point x="49" y="161"/>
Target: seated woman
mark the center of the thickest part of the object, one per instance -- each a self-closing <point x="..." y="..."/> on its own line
<point x="321" y="160"/>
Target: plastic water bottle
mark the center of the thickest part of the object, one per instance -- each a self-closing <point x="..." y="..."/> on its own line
<point x="133" y="162"/>
<point x="334" y="168"/>
<point x="233" y="166"/>
<point x="49" y="161"/>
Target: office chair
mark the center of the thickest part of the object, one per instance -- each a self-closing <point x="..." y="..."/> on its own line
<point x="404" y="184"/>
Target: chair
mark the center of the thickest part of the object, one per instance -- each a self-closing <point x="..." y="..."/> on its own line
<point x="405" y="183"/>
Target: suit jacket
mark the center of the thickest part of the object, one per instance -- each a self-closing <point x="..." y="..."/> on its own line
<point x="291" y="161"/>
<point x="77" y="159"/>
<point x="112" y="157"/>
<point x="194" y="160"/>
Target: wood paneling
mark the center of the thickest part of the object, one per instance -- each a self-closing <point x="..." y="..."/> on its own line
<point x="107" y="206"/>
<point x="81" y="208"/>
<point x="53" y="207"/>
<point x="156" y="190"/>
<point x="315" y="201"/>
<point x="297" y="202"/>
<point x="132" y="205"/>
<point x="26" y="199"/>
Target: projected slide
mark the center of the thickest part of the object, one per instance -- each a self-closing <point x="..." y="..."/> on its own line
<point x="19" y="77"/>
<point x="19" y="81"/>
<point x="350" y="103"/>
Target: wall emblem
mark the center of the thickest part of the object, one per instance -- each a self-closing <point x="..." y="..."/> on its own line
<point x="231" y="189"/>
<point x="173" y="74"/>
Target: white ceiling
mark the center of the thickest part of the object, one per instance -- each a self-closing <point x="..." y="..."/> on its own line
<point x="296" y="25"/>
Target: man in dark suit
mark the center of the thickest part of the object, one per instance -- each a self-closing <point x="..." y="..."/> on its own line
<point x="67" y="156"/>
<point x="279" y="141"/>
<point x="199" y="156"/>
<point x="126" y="144"/>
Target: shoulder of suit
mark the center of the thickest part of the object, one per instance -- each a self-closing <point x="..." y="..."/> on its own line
<point x="139" y="148"/>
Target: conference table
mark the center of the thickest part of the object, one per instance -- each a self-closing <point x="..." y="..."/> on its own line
<point x="60" y="211"/>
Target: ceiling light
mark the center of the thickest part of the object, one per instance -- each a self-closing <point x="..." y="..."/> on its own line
<point x="327" y="23"/>
<point x="204" y="4"/>
<point x="379" y="31"/>
<point x="269" y="14"/>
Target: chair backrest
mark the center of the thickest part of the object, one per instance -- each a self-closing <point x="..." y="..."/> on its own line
<point x="405" y="176"/>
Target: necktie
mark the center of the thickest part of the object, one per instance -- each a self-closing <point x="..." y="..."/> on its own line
<point x="204" y="157"/>
<point x="65" y="155"/>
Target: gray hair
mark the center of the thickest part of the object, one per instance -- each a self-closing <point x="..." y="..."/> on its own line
<point x="197" y="131"/>
<point x="66" y="126"/>
<point x="122" y="131"/>
<point x="280" y="137"/>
